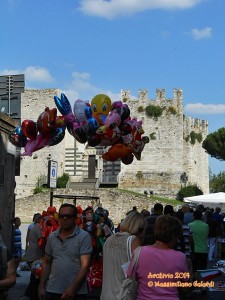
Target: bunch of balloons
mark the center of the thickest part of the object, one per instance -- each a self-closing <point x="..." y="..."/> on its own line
<point x="49" y="130"/>
<point x="103" y="123"/>
<point x="100" y="123"/>
<point x="48" y="224"/>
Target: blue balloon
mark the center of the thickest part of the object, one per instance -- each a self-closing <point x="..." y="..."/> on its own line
<point x="56" y="136"/>
<point x="17" y="137"/>
<point x="63" y="104"/>
<point x="92" y="122"/>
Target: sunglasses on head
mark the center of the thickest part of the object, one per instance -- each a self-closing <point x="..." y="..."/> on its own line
<point x="66" y="216"/>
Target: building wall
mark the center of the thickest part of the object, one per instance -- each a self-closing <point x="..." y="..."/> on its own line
<point x="169" y="153"/>
<point x="35" y="168"/>
<point x="7" y="178"/>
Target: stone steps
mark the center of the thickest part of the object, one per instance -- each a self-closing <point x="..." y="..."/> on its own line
<point x="87" y="183"/>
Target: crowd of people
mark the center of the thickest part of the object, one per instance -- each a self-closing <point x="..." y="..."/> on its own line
<point x="73" y="251"/>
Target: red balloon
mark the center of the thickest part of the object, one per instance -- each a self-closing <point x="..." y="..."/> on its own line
<point x="117" y="151"/>
<point x="46" y="121"/>
<point x="127" y="160"/>
<point x="29" y="129"/>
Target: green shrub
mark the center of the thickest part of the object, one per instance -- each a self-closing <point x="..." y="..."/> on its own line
<point x="153" y="111"/>
<point x="141" y="109"/>
<point x="62" y="181"/>
<point x="139" y="175"/>
<point x="195" y="137"/>
<point x="38" y="189"/>
<point x="187" y="138"/>
<point x="152" y="136"/>
<point x="172" y="110"/>
<point x="199" y="137"/>
<point x="189" y="191"/>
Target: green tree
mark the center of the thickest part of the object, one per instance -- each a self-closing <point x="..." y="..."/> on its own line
<point x="217" y="183"/>
<point x="214" y="144"/>
<point x="189" y="191"/>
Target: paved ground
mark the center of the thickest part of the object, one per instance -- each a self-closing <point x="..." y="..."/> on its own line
<point x="21" y="283"/>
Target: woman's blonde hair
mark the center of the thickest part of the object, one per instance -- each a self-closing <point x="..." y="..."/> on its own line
<point x="134" y="223"/>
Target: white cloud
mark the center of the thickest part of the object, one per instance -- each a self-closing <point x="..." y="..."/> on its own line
<point x="200" y="108"/>
<point x="38" y="74"/>
<point x="81" y="88"/>
<point x="199" y="34"/>
<point x="110" y="9"/>
<point x="32" y="74"/>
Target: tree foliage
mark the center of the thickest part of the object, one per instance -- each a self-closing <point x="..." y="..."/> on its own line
<point x="189" y="191"/>
<point x="214" y="144"/>
<point x="217" y="183"/>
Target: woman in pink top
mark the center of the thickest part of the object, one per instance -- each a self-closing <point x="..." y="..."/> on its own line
<point x="161" y="271"/>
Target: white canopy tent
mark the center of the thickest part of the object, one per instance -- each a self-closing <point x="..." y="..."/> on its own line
<point x="210" y="200"/>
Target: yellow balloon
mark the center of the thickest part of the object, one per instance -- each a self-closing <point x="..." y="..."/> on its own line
<point x="101" y="104"/>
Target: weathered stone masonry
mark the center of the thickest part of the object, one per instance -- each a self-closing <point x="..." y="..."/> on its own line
<point x="170" y="153"/>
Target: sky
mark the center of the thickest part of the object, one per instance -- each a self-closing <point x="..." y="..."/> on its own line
<point x="87" y="47"/>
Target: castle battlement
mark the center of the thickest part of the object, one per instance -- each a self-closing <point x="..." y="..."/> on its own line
<point x="197" y="125"/>
<point x="160" y="97"/>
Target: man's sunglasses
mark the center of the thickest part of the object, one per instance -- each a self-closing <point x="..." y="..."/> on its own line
<point x="66" y="216"/>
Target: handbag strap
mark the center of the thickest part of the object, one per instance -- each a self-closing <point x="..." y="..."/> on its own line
<point x="129" y="242"/>
<point x="134" y="261"/>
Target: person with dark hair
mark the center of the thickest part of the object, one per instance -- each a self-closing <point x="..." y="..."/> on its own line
<point x="67" y="259"/>
<point x="199" y="242"/>
<point x="17" y="243"/>
<point x="149" y="238"/>
<point x="159" y="263"/>
<point x="103" y="228"/>
<point x="33" y="253"/>
<point x="35" y="217"/>
<point x="168" y="210"/>
<point x="188" y="215"/>
<point x="145" y="213"/>
<point x="108" y="221"/>
<point x="218" y="217"/>
<point x="212" y="237"/>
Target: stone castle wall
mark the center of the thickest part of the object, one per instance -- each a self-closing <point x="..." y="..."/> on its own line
<point x="118" y="203"/>
<point x="35" y="168"/>
<point x="169" y="153"/>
